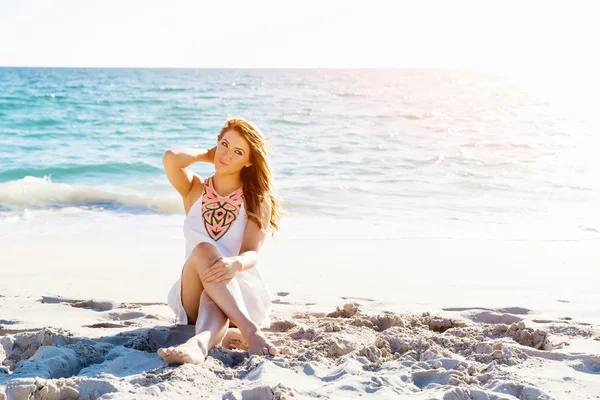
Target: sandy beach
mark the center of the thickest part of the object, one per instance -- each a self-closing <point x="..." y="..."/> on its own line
<point x="434" y="164"/>
<point x="82" y="317"/>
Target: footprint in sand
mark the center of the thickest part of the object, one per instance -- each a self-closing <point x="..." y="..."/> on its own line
<point x="357" y="299"/>
<point x="492" y="316"/>
<point x="124" y="316"/>
<point x="508" y="310"/>
<point x="141" y="304"/>
<point x="124" y="324"/>
<point x="488" y="317"/>
<point x="120" y="319"/>
<point x="514" y="310"/>
<point x="4" y="330"/>
<point x="458" y="309"/>
<point x="422" y="379"/>
<point x="95" y="305"/>
<point x="278" y="301"/>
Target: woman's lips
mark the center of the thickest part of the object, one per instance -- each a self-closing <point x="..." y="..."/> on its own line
<point x="222" y="163"/>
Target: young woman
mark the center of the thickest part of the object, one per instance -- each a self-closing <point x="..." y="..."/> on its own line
<point x="227" y="217"/>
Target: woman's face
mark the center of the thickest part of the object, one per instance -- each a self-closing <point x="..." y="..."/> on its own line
<point x="233" y="153"/>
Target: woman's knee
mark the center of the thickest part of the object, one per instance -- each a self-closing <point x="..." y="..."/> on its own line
<point x="201" y="254"/>
<point x="203" y="251"/>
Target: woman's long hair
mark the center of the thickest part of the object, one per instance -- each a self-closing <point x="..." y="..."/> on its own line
<point x="257" y="179"/>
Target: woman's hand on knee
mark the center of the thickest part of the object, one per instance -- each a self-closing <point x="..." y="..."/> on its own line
<point x="221" y="269"/>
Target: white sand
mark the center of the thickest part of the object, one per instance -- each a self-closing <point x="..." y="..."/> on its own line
<point x="487" y="306"/>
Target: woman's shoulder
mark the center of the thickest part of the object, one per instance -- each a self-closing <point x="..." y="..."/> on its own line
<point x="198" y="184"/>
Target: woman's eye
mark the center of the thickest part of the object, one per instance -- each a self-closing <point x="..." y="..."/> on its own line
<point x="224" y="144"/>
<point x="238" y="152"/>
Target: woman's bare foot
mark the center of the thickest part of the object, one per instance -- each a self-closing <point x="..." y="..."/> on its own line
<point x="258" y="344"/>
<point x="234" y="340"/>
<point x="193" y="352"/>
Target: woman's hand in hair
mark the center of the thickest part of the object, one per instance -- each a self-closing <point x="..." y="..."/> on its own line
<point x="176" y="162"/>
<point x="222" y="269"/>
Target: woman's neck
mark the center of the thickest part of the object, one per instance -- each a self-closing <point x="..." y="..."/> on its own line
<point x="226" y="184"/>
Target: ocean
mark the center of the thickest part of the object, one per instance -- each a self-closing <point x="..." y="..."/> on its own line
<point x="362" y="154"/>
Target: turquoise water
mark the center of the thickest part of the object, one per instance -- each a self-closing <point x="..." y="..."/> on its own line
<point x="391" y="153"/>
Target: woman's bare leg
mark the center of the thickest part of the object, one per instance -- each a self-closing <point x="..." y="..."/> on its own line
<point x="191" y="290"/>
<point x="211" y="326"/>
<point x="227" y="296"/>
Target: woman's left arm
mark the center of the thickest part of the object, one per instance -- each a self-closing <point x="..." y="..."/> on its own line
<point x="225" y="268"/>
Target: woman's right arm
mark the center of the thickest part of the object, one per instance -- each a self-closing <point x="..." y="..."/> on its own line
<point x="176" y="162"/>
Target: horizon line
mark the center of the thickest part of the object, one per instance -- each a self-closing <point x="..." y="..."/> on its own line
<point x="229" y="67"/>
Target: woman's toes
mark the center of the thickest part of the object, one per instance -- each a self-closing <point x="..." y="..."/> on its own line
<point x="165" y="353"/>
<point x="273" y="350"/>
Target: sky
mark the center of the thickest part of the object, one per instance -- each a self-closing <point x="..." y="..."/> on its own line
<point x="288" y="34"/>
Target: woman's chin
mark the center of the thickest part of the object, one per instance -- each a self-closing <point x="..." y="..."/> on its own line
<point x="227" y="169"/>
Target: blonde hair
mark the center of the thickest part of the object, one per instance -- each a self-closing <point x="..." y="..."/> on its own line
<point x="257" y="179"/>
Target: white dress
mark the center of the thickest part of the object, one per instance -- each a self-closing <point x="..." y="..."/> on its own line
<point x="221" y="221"/>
